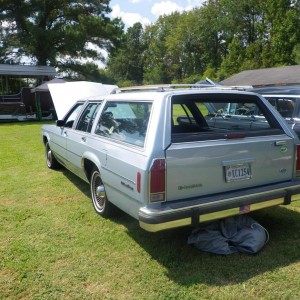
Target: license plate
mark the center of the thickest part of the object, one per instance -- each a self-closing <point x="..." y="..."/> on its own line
<point x="238" y="172"/>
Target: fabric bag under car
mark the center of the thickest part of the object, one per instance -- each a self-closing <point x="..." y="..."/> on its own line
<point x="230" y="235"/>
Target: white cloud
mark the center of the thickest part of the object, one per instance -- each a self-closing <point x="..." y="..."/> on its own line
<point x="6" y="24"/>
<point x="168" y="7"/>
<point x="165" y="8"/>
<point x="128" y="18"/>
<point x="194" y="3"/>
<point x="143" y="10"/>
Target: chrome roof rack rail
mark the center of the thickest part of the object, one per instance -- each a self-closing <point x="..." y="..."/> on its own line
<point x="158" y="87"/>
<point x="207" y="84"/>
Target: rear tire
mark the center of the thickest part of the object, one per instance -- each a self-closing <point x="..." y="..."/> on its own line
<point x="101" y="204"/>
<point x="51" y="161"/>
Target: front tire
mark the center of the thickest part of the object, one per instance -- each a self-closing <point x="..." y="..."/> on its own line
<point x="51" y="161"/>
<point x="101" y="204"/>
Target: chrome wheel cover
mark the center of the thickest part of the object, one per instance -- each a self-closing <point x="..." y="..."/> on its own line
<point x="98" y="192"/>
<point x="48" y="156"/>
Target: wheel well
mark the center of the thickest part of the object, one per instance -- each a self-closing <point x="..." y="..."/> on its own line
<point x="88" y="168"/>
<point x="45" y="140"/>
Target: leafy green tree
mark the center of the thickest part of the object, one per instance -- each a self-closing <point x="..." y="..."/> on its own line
<point x="184" y="48"/>
<point x="159" y="64"/>
<point x="245" y="26"/>
<point x="215" y="31"/>
<point x="88" y="72"/>
<point x="126" y="63"/>
<point x="234" y="59"/>
<point x="210" y="73"/>
<point x="2" y="46"/>
<point x="7" y="45"/>
<point x="283" y="17"/>
<point x="266" y="30"/>
<point x="51" y="32"/>
<point x="296" y="54"/>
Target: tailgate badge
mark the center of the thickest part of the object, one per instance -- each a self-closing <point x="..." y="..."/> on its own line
<point x="282" y="171"/>
<point x="192" y="186"/>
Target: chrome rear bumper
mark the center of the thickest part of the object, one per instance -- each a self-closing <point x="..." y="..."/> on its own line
<point x="191" y="212"/>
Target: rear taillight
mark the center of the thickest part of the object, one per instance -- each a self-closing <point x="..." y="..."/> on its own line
<point x="157" y="180"/>
<point x="297" y="158"/>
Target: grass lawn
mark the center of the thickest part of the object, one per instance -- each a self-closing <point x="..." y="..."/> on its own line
<point x="54" y="246"/>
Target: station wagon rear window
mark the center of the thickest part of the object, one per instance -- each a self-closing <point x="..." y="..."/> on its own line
<point x="125" y="121"/>
<point x="210" y="117"/>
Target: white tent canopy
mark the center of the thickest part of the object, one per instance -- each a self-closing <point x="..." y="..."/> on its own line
<point x="45" y="86"/>
<point x="64" y="95"/>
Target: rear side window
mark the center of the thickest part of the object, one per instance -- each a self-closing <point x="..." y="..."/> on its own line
<point x="125" y="121"/>
<point x="209" y="117"/>
<point x="284" y="105"/>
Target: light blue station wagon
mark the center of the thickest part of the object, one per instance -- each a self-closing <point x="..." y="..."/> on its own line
<point x="173" y="157"/>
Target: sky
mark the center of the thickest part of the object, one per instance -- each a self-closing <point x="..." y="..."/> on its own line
<point x="148" y="11"/>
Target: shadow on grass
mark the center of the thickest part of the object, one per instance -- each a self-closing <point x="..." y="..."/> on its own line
<point x="78" y="182"/>
<point x="187" y="266"/>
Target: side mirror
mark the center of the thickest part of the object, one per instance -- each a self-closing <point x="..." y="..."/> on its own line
<point x="60" y="123"/>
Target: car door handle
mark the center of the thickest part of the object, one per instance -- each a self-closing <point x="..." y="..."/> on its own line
<point x="83" y="139"/>
<point x="280" y="143"/>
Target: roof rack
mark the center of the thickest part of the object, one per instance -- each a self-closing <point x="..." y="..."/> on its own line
<point x="158" y="87"/>
<point x="168" y="87"/>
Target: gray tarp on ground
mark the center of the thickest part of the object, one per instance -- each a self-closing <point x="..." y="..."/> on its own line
<point x="230" y="235"/>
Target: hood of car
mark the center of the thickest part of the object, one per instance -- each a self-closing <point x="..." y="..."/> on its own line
<point x="65" y="95"/>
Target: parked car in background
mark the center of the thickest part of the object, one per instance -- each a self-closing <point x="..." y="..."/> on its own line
<point x="286" y="99"/>
<point x="177" y="156"/>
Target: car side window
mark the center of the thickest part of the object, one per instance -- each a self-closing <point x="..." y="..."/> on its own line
<point x="87" y="118"/>
<point x="125" y="121"/>
<point x="71" y="116"/>
<point x="285" y="106"/>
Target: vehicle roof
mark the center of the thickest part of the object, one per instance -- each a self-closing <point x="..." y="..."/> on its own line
<point x="147" y="94"/>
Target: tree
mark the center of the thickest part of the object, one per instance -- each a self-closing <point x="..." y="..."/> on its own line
<point x="125" y="64"/>
<point x="233" y="61"/>
<point x="265" y="31"/>
<point x="159" y="64"/>
<point x="60" y="32"/>
<point x="283" y="15"/>
<point x="184" y="48"/>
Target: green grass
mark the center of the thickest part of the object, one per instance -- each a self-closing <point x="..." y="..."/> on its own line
<point x="54" y="246"/>
<point x="178" y="111"/>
